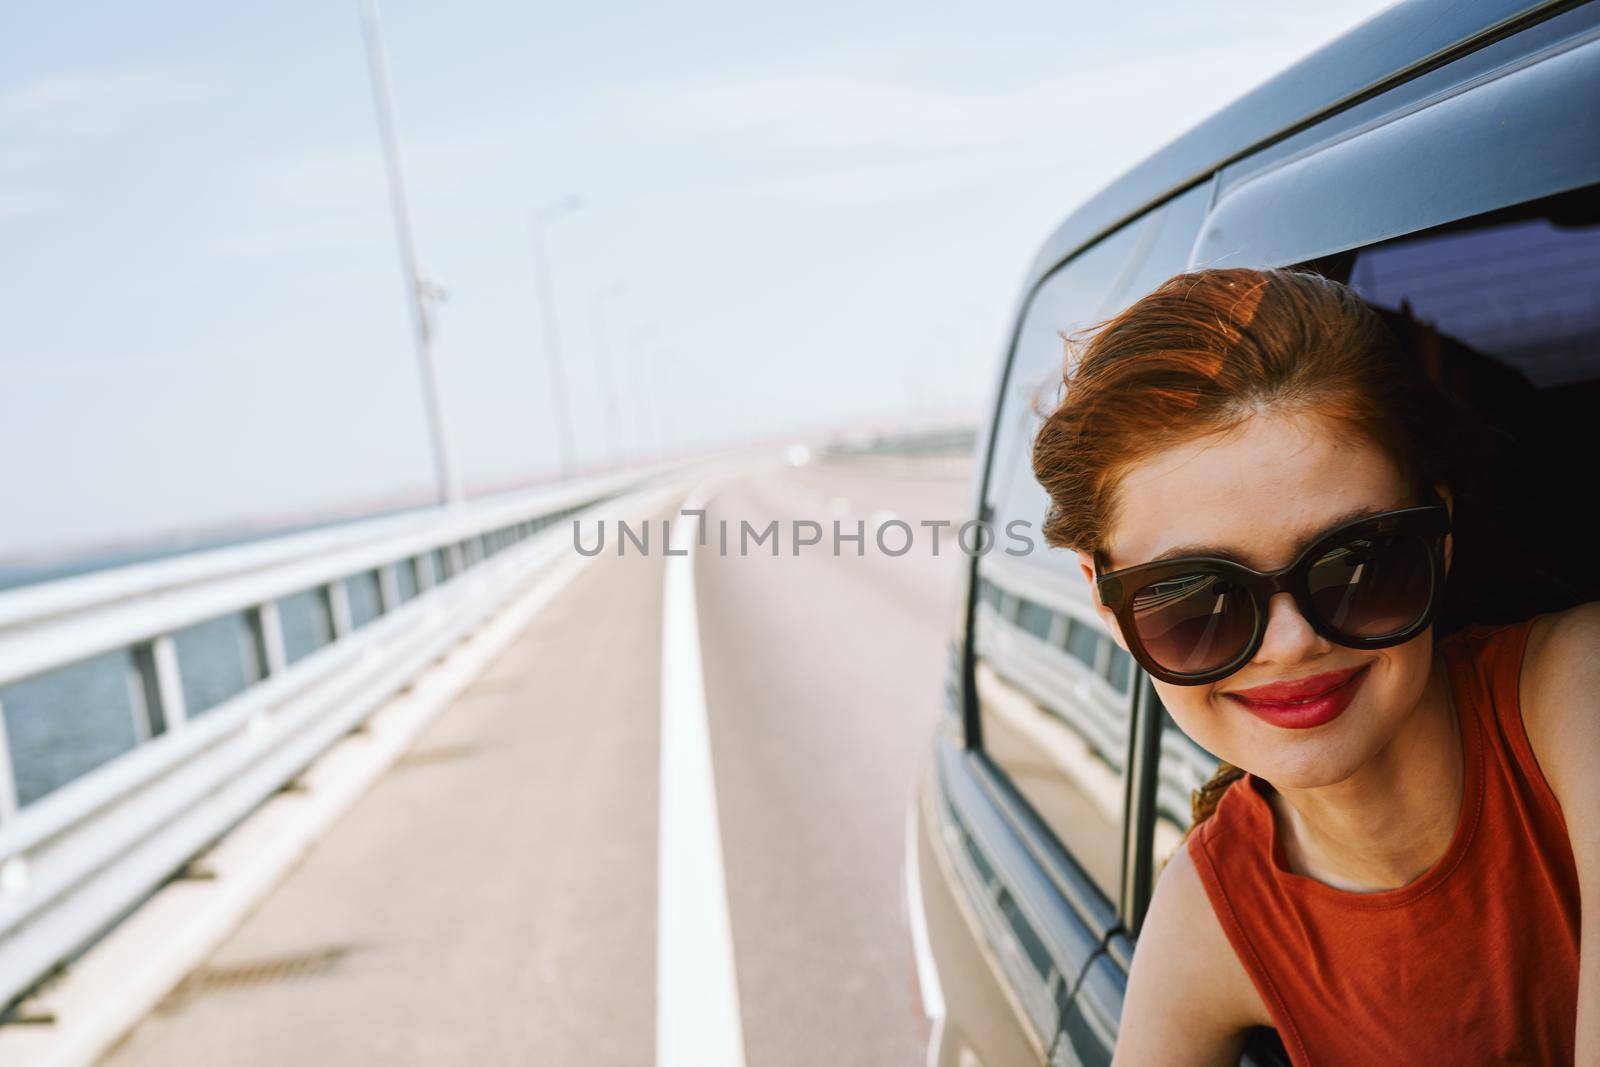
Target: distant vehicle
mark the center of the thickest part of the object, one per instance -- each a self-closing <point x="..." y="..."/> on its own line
<point x="1443" y="160"/>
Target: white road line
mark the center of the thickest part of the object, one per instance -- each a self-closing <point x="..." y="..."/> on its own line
<point x="927" y="970"/>
<point x="697" y="993"/>
<point x="928" y="987"/>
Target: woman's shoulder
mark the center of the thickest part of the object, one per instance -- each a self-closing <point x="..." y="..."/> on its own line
<point x="1559" y="697"/>
<point x="1189" y="998"/>
<point x="1562" y="645"/>
<point x="1194" y="913"/>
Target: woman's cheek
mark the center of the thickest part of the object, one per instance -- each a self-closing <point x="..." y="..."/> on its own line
<point x="1401" y="675"/>
<point x="1200" y="714"/>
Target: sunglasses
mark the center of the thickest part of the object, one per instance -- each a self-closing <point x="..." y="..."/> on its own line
<point x="1369" y="583"/>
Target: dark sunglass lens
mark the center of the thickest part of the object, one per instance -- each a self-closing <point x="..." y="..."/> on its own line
<point x="1373" y="587"/>
<point x="1194" y="623"/>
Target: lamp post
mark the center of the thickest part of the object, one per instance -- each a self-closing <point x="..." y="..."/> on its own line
<point x="538" y="218"/>
<point x="599" y="301"/>
<point x="419" y="293"/>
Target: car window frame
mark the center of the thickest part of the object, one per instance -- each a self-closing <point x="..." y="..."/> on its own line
<point x="1097" y="907"/>
<point x="1364" y="180"/>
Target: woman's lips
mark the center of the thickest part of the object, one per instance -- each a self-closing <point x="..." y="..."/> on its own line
<point x="1304" y="702"/>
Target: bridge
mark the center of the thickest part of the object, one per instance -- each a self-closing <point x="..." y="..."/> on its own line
<point x="614" y="771"/>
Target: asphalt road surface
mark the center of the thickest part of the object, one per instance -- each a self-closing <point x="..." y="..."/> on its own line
<point x="493" y="899"/>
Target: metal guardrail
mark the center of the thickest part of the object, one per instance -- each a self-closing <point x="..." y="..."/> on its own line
<point x="395" y="594"/>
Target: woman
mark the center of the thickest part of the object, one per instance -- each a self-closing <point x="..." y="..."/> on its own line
<point x="1390" y="864"/>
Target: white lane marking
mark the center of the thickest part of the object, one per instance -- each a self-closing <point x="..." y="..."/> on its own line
<point x="697" y="993"/>
<point x="928" y="986"/>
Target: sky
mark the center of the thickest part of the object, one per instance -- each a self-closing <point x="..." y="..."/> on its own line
<point x="804" y="215"/>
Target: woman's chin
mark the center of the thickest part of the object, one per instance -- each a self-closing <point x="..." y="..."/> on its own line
<point x="1308" y="767"/>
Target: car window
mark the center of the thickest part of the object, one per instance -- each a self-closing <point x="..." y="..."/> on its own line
<point x="1053" y="689"/>
<point x="1501" y="309"/>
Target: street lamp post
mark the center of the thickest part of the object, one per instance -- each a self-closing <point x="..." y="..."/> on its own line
<point x="419" y="293"/>
<point x="599" y="300"/>
<point x="559" y="400"/>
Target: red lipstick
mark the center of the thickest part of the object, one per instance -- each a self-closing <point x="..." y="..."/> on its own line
<point x="1302" y="703"/>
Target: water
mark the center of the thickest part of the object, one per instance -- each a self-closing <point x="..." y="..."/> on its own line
<point x="63" y="724"/>
<point x="66" y="723"/>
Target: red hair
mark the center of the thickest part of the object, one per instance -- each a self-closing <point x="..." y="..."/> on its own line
<point x="1205" y="352"/>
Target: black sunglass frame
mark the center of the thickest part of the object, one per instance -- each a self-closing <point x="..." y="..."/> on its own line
<point x="1429" y="522"/>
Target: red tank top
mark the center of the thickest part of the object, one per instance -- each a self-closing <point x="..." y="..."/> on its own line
<point x="1473" y="962"/>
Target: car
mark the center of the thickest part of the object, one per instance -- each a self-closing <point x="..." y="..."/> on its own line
<point x="1442" y="159"/>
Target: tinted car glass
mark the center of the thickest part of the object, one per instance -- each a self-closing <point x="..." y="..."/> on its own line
<point x="1502" y="309"/>
<point x="1053" y="689"/>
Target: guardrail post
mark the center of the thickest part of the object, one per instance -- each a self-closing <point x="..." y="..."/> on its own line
<point x="143" y="692"/>
<point x="427" y="578"/>
<point x="389" y="587"/>
<point x="8" y="779"/>
<point x="339" y="607"/>
<point x="269" y="635"/>
<point x="169" y="683"/>
<point x="456" y="559"/>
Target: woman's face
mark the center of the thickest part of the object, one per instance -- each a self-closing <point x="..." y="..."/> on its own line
<point x="1260" y="493"/>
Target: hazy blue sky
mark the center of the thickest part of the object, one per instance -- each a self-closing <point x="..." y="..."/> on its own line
<point x="818" y="211"/>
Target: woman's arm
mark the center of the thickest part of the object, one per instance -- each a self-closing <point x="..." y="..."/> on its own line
<point x="1189" y="1001"/>
<point x="1560" y="697"/>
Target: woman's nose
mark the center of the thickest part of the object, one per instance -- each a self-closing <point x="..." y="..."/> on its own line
<point x="1289" y="638"/>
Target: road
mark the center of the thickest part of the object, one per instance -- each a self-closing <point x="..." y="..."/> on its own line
<point x="492" y="900"/>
